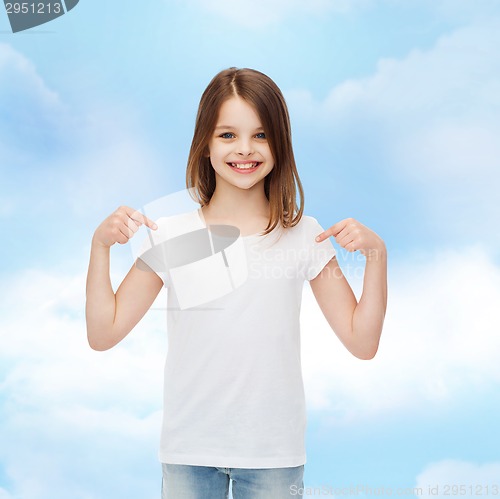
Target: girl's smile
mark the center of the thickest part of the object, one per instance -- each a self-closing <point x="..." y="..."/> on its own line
<point x="244" y="166"/>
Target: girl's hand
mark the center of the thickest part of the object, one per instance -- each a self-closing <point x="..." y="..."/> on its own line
<point x="120" y="226"/>
<point x="353" y="236"/>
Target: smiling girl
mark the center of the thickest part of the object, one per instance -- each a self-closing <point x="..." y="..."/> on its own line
<point x="234" y="405"/>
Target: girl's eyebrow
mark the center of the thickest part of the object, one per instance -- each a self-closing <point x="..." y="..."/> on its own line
<point x="233" y="128"/>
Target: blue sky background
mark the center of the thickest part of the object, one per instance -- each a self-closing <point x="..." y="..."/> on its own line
<point x="395" y="115"/>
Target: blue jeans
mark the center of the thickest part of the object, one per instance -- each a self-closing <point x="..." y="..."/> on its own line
<point x="182" y="481"/>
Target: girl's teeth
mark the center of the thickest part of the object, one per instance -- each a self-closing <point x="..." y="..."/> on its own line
<point x="244" y="167"/>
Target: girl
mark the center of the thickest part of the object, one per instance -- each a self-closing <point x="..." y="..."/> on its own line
<point x="234" y="409"/>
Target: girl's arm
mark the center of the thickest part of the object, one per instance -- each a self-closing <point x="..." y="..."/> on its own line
<point x="358" y="325"/>
<point x="110" y="317"/>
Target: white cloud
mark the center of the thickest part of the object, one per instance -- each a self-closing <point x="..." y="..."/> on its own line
<point x="32" y="113"/>
<point x="16" y="70"/>
<point x="459" y="478"/>
<point x="440" y="340"/>
<point x="80" y="453"/>
<point x="456" y="83"/>
<point x="84" y="423"/>
<point x="257" y="14"/>
<point x="430" y="121"/>
<point x="462" y="11"/>
<point x="89" y="159"/>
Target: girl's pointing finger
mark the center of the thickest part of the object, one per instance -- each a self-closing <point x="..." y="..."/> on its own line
<point x="139" y="218"/>
<point x="332" y="231"/>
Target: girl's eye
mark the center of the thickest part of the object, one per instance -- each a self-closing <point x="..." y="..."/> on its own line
<point x="261" y="135"/>
<point x="227" y="135"/>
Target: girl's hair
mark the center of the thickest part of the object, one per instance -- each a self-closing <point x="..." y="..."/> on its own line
<point x="265" y="97"/>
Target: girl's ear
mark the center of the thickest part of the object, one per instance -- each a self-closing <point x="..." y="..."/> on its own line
<point x="206" y="153"/>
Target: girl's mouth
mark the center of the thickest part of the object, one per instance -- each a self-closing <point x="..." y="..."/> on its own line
<point x="244" y="167"/>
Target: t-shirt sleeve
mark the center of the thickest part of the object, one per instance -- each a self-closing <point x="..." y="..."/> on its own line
<point x="159" y="254"/>
<point x="150" y="254"/>
<point x="318" y="254"/>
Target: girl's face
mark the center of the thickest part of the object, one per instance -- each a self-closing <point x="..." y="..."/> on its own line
<point x="238" y="148"/>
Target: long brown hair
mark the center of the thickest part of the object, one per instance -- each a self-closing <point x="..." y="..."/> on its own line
<point x="258" y="90"/>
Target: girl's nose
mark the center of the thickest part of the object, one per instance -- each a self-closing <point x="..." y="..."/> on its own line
<point x="245" y="147"/>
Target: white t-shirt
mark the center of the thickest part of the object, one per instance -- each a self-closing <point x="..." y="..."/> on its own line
<point x="234" y="394"/>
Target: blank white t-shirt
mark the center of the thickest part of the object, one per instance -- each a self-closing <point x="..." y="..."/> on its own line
<point x="233" y="388"/>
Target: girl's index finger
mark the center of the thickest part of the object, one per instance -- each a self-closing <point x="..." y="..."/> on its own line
<point x="322" y="236"/>
<point x="149" y="223"/>
<point x="332" y="231"/>
<point x="137" y="216"/>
